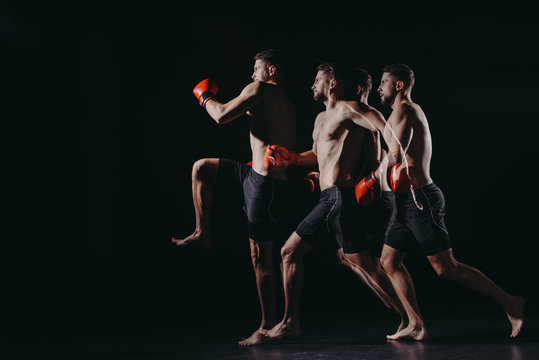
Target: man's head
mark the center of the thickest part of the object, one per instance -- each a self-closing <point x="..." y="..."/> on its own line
<point x="395" y="78"/>
<point x="363" y="83"/>
<point x="268" y="66"/>
<point x="333" y="78"/>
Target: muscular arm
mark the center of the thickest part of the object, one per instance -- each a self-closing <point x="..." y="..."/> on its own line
<point x="396" y="132"/>
<point x="225" y="113"/>
<point x="307" y="159"/>
<point x="372" y="120"/>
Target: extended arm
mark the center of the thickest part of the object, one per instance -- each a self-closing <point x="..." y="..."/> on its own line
<point x="307" y="159"/>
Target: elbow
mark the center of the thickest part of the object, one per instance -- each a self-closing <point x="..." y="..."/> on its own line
<point x="222" y="118"/>
<point x="219" y="118"/>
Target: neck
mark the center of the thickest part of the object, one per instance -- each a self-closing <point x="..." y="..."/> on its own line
<point x="400" y="98"/>
<point x="364" y="99"/>
<point x="331" y="101"/>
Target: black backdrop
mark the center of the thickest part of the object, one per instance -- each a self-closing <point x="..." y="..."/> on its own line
<point x="101" y="131"/>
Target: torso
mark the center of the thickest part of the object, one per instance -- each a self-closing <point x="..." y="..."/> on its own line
<point x="339" y="149"/>
<point x="419" y="148"/>
<point x="271" y="121"/>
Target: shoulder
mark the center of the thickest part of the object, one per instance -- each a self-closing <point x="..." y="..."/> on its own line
<point x="404" y="111"/>
<point x="252" y="87"/>
<point x="408" y="109"/>
<point x="346" y="109"/>
<point x="374" y="114"/>
<point x="319" y="117"/>
<point x="348" y="105"/>
<point x="257" y="88"/>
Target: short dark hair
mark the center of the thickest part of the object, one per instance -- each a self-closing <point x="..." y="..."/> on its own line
<point x="344" y="74"/>
<point x="272" y="57"/>
<point x="363" y="79"/>
<point x="401" y="72"/>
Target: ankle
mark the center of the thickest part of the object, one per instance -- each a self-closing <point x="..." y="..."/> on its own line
<point x="414" y="324"/>
<point x="267" y="325"/>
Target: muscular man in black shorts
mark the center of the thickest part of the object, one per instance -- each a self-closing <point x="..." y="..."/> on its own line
<point x="265" y="195"/>
<point x="421" y="209"/>
<point x="337" y="142"/>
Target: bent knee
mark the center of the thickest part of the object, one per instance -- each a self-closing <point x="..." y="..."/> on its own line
<point x="444" y="266"/>
<point x="390" y="264"/>
<point x="287" y="252"/>
<point x="290" y="253"/>
<point x="445" y="271"/>
<point x="342" y="259"/>
<point x="205" y="169"/>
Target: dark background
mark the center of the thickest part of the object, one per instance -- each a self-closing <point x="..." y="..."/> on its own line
<point x="101" y="130"/>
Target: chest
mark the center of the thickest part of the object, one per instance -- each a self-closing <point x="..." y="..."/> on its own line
<point x="329" y="128"/>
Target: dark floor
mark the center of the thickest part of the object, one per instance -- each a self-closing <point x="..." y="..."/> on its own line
<point x="483" y="341"/>
<point x="197" y="306"/>
<point x="333" y="328"/>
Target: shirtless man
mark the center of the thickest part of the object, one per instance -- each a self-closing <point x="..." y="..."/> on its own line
<point x="378" y="208"/>
<point x="271" y="121"/>
<point x="337" y="137"/>
<point x="420" y="211"/>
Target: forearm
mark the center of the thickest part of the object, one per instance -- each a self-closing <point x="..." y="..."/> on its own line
<point x="396" y="140"/>
<point x="220" y="113"/>
<point x="307" y="159"/>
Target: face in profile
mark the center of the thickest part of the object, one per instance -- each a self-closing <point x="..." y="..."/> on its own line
<point x="320" y="87"/>
<point x="387" y="89"/>
<point x="261" y="71"/>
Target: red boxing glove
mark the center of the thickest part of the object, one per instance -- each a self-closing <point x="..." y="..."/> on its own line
<point x="400" y="181"/>
<point x="205" y="90"/>
<point x="311" y="181"/>
<point x="278" y="156"/>
<point x="365" y="190"/>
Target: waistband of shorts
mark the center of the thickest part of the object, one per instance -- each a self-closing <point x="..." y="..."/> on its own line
<point x="427" y="188"/>
<point x="330" y="190"/>
<point x="267" y="178"/>
<point x="353" y="189"/>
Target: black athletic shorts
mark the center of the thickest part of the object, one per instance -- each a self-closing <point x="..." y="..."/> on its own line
<point x="271" y="205"/>
<point x="376" y="218"/>
<point x="427" y="226"/>
<point x="338" y="218"/>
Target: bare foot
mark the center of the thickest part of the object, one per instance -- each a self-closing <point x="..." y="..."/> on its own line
<point x="516" y="316"/>
<point x="410" y="333"/>
<point x="282" y="330"/>
<point x="402" y="326"/>
<point x="197" y="239"/>
<point x="258" y="337"/>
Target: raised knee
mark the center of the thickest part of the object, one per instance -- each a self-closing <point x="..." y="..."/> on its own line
<point x="202" y="169"/>
<point x="198" y="168"/>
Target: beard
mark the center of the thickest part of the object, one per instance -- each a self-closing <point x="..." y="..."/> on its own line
<point x="319" y="97"/>
<point x="387" y="100"/>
